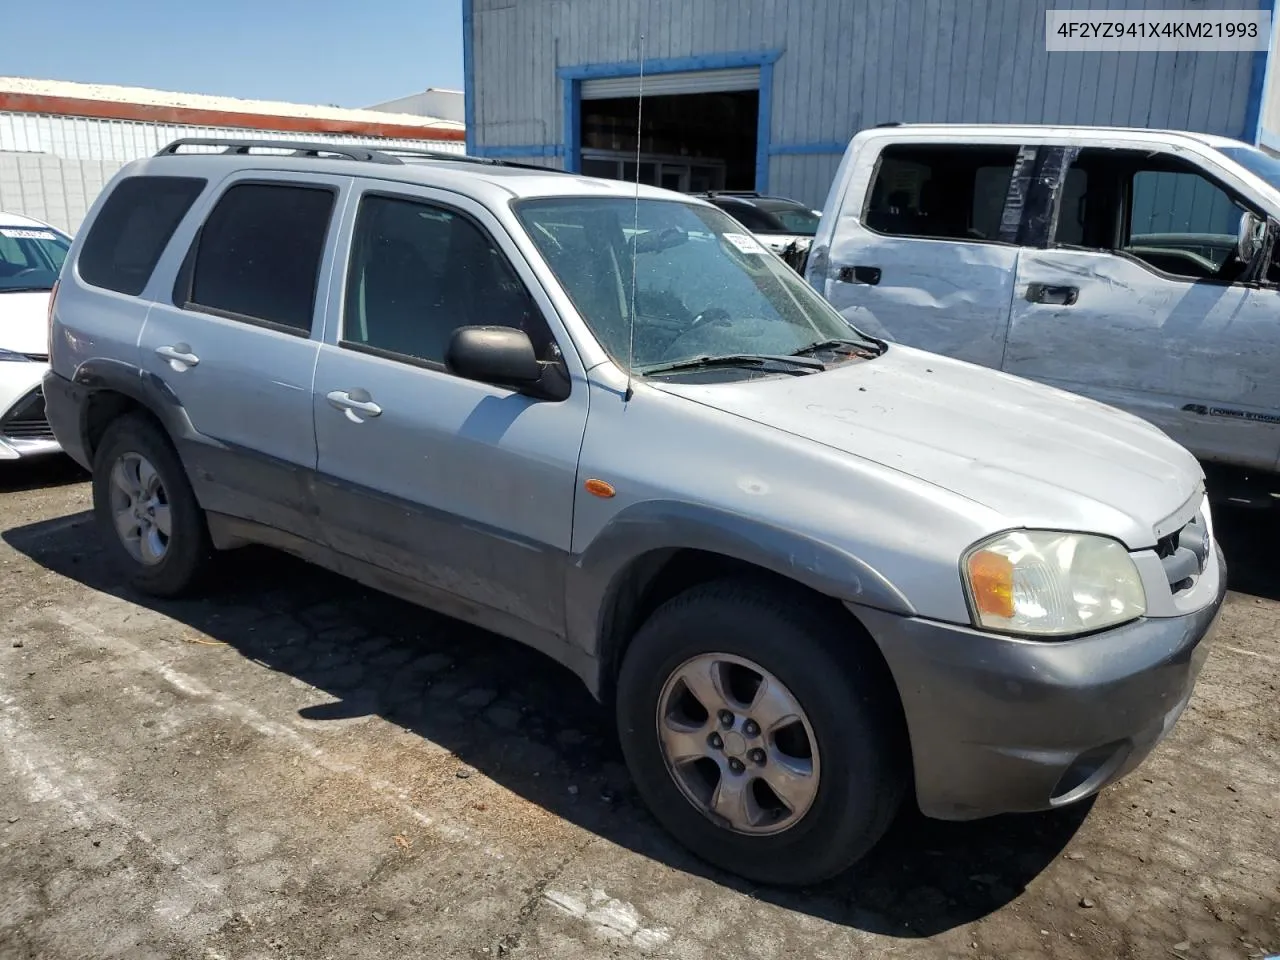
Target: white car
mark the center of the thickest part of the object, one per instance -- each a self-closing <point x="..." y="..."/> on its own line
<point x="31" y="255"/>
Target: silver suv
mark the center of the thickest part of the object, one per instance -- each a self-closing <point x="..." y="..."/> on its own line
<point x="811" y="570"/>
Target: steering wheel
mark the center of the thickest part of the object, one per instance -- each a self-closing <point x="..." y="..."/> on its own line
<point x="23" y="273"/>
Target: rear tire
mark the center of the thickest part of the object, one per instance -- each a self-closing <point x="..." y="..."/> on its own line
<point x="840" y="702"/>
<point x="145" y="507"/>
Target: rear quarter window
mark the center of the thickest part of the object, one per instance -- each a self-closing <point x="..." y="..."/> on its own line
<point x="133" y="227"/>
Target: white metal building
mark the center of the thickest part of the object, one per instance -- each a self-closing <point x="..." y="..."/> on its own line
<point x="765" y="94"/>
<point x="61" y="142"/>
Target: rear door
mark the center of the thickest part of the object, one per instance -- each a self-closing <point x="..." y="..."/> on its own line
<point x="919" y="254"/>
<point x="237" y="340"/>
<point x="1135" y="299"/>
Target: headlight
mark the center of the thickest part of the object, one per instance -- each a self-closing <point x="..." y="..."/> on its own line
<point x="12" y="356"/>
<point x="1043" y="583"/>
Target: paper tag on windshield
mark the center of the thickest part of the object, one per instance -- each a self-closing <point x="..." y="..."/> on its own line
<point x="14" y="233"/>
<point x="744" y="243"/>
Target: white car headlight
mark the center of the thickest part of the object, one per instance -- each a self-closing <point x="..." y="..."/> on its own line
<point x="1043" y="583"/>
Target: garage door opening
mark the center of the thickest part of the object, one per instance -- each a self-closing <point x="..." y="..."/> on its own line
<point x="698" y="130"/>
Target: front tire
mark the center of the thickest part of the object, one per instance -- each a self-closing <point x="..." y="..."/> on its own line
<point x="759" y="733"/>
<point x="146" y="509"/>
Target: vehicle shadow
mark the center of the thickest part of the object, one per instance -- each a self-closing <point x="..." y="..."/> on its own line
<point x="530" y="725"/>
<point x="53" y="471"/>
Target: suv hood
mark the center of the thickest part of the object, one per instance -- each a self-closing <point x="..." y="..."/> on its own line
<point x="1036" y="455"/>
<point x="24" y="321"/>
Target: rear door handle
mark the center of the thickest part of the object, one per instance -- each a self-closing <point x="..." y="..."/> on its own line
<point x="179" y="356"/>
<point x="354" y="403"/>
<point x="1049" y="293"/>
<point x="859" y="274"/>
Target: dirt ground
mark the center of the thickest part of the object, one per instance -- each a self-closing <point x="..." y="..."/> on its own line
<point x="294" y="767"/>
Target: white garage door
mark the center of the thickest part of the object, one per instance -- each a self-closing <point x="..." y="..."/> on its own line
<point x="666" y="84"/>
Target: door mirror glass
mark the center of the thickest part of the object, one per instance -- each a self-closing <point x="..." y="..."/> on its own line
<point x="1249" y="236"/>
<point x="500" y="355"/>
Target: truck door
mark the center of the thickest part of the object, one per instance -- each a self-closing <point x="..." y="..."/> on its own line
<point x="917" y="254"/>
<point x="1134" y="297"/>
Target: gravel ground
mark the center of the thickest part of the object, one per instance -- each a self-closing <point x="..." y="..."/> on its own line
<point x="294" y="767"/>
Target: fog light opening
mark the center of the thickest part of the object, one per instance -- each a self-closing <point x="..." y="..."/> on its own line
<point x="1089" y="772"/>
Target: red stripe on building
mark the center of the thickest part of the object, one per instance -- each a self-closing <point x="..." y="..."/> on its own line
<point x="198" y="117"/>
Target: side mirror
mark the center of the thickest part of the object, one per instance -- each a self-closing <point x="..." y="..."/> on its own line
<point x="1249" y="236"/>
<point x="500" y="355"/>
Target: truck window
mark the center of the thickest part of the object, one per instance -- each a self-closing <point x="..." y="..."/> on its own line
<point x="940" y="191"/>
<point x="1159" y="209"/>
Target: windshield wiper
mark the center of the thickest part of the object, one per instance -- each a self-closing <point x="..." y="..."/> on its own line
<point x="875" y="346"/>
<point x="737" y="360"/>
<point x="25" y="289"/>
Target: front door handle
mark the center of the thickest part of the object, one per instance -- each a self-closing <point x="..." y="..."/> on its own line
<point x="179" y="356"/>
<point x="859" y="274"/>
<point x="1049" y="293"/>
<point x="354" y="403"/>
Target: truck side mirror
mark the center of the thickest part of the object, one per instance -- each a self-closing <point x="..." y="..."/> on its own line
<point x="1249" y="236"/>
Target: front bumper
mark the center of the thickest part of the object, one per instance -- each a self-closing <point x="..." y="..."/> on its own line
<point x="24" y="428"/>
<point x="1003" y="725"/>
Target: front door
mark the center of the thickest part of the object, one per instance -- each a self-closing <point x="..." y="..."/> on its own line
<point x="237" y="344"/>
<point x="922" y="261"/>
<point x="465" y="487"/>
<point x="1136" y="301"/>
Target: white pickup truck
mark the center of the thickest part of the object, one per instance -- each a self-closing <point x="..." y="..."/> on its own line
<point x="1131" y="266"/>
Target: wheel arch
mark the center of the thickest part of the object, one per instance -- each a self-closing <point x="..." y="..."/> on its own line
<point x="653" y="550"/>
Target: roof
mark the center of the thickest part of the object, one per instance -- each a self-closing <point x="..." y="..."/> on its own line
<point x="463" y="173"/>
<point x="18" y="220"/>
<point x="57" y="97"/>
<point x="1042" y="130"/>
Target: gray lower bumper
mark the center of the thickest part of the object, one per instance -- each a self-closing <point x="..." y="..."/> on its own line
<point x="1001" y="725"/>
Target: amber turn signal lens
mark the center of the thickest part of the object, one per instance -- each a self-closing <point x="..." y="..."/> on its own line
<point x="598" y="488"/>
<point x="991" y="579"/>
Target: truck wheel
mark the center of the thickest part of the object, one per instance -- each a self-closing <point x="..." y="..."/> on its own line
<point x="147" y="510"/>
<point x="759" y="733"/>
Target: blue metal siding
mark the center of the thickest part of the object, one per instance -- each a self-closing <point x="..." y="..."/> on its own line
<point x="843" y="65"/>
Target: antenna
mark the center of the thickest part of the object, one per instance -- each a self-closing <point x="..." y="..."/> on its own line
<point x="635" y="234"/>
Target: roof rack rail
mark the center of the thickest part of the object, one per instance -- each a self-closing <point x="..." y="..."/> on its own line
<point x="349" y="152"/>
<point x="888" y="123"/>
<point x="298" y="148"/>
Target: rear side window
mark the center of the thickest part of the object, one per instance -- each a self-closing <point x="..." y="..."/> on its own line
<point x="940" y="191"/>
<point x="132" y="228"/>
<point x="257" y="257"/>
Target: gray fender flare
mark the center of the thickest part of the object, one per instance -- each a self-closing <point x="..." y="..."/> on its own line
<point x="597" y="573"/>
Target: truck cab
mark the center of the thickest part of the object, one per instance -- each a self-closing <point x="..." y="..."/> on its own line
<point x="1132" y="266"/>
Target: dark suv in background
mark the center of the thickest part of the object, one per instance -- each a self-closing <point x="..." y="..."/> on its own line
<point x="786" y="227"/>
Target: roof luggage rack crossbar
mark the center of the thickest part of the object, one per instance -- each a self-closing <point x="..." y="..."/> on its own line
<point x="320" y="151"/>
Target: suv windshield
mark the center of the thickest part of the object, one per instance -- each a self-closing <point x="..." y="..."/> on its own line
<point x="30" y="257"/>
<point x="703" y="287"/>
<point x="1256" y="162"/>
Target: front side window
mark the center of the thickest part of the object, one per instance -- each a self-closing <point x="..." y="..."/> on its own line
<point x="30" y="257"/>
<point x="257" y="257"/>
<point x="1157" y="209"/>
<point x="703" y="287"/>
<point x="419" y="272"/>
<point x="940" y="191"/>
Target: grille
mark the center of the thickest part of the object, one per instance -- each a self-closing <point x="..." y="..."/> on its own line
<point x="1184" y="554"/>
<point x="26" y="420"/>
